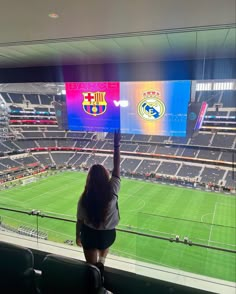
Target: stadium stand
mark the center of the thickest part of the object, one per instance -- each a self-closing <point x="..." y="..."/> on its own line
<point x="223" y="140"/>
<point x="76" y="135"/>
<point x="45" y="99"/>
<point x="207" y="144"/>
<point x="179" y="140"/>
<point x="29" y="128"/>
<point x="147" y="166"/>
<point x="42" y="109"/>
<point x="227" y="156"/>
<point x="16" y="98"/>
<point x="168" y="150"/>
<point x="158" y="139"/>
<point x="11" y="145"/>
<point x="217" y="113"/>
<point x="83" y="144"/>
<point x="141" y="138"/>
<point x="15" y="108"/>
<point x="130" y="164"/>
<point x="180" y="151"/>
<point x="4" y="148"/>
<point x="61" y="158"/>
<point x="108" y="163"/>
<point x="230" y="181"/>
<point x="209" y="154"/>
<point x="109" y="136"/>
<point x="99" y="144"/>
<point x="6" y="97"/>
<point x="32" y="134"/>
<point x="212" y="175"/>
<point x="191" y="171"/>
<point x="32" y="98"/>
<point x="202" y="139"/>
<point x="29" y="160"/>
<point x="50" y="128"/>
<point x="46" y="143"/>
<point x="211" y="97"/>
<point x="54" y="134"/>
<point x="95" y="159"/>
<point x="141" y="148"/>
<point x="43" y="158"/>
<point x="190" y="152"/>
<point x="89" y="135"/>
<point x="168" y="168"/>
<point x="65" y="143"/>
<point x="74" y="158"/>
<point x="125" y="137"/>
<point x="9" y="163"/>
<point x="128" y="147"/>
<point x="152" y="149"/>
<point x="82" y="160"/>
<point x="108" y="146"/>
<point x="228" y="98"/>
<point x="26" y="144"/>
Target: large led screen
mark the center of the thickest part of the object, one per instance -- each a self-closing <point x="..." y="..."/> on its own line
<point x="155" y="108"/>
<point x="91" y="107"/>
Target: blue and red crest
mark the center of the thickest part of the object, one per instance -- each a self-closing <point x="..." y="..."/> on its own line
<point x="94" y="103"/>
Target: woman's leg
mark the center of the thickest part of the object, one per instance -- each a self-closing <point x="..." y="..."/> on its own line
<point x="102" y="254"/>
<point x="107" y="238"/>
<point x="91" y="255"/>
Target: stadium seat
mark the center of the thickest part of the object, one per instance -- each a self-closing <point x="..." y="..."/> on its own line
<point x="67" y="275"/>
<point x="16" y="269"/>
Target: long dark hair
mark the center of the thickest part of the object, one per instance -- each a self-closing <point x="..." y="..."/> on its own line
<point x="96" y="195"/>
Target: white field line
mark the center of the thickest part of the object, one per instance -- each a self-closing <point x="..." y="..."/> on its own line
<point x="9" y="199"/>
<point x="216" y="242"/>
<point x="220" y="203"/>
<point x="54" y="190"/>
<point x="59" y="214"/>
<point x="132" y="255"/>
<point x="212" y="222"/>
<point x="147" y="230"/>
<point x="142" y="202"/>
<point x="39" y="182"/>
<point x="131" y="194"/>
<point x="202" y="217"/>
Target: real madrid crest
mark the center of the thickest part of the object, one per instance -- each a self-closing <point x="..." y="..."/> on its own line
<point x="151" y="107"/>
<point x="94" y="103"/>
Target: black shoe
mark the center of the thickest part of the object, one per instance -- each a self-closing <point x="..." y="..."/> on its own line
<point x="100" y="266"/>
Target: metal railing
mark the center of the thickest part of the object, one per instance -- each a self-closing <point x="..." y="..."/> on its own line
<point x="185" y="241"/>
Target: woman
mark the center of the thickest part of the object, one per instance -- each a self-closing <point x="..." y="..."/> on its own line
<point x="98" y="213"/>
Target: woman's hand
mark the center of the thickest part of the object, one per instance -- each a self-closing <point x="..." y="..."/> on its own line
<point x="78" y="242"/>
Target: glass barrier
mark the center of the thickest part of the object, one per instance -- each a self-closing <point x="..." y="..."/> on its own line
<point x="187" y="245"/>
<point x="161" y="243"/>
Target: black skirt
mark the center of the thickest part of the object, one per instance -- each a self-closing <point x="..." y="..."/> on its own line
<point x="96" y="239"/>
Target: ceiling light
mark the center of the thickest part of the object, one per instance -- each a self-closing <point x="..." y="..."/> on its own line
<point x="53" y="15"/>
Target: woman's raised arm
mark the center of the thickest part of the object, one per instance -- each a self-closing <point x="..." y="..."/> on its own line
<point x="116" y="155"/>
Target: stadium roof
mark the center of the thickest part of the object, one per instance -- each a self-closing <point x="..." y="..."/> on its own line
<point x="38" y="33"/>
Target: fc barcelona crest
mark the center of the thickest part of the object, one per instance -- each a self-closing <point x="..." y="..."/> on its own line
<point x="94" y="103"/>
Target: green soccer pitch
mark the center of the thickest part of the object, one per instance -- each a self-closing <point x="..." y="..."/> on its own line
<point x="163" y="210"/>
